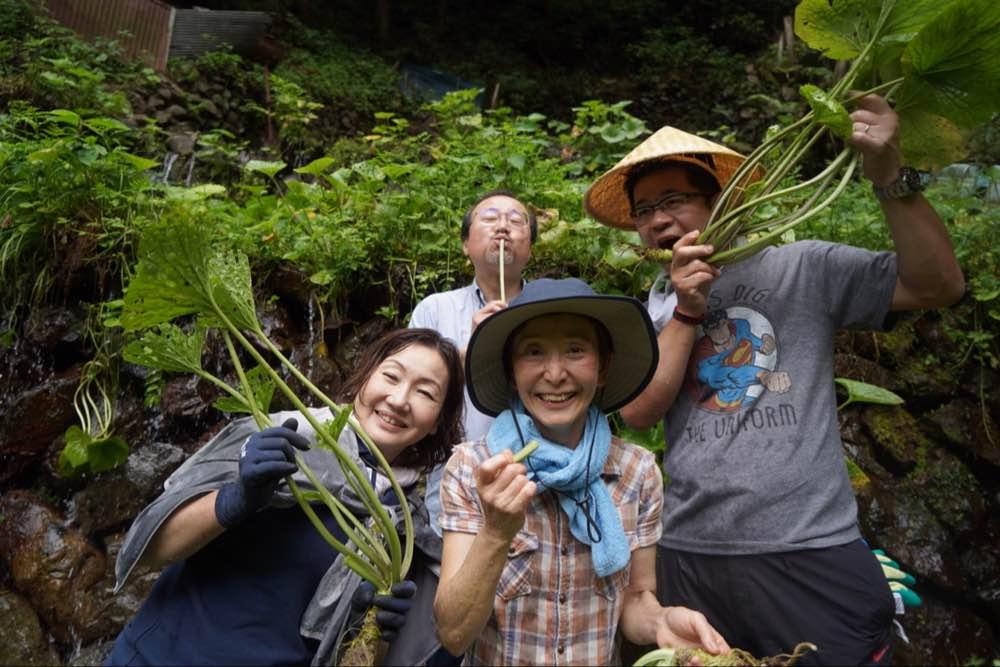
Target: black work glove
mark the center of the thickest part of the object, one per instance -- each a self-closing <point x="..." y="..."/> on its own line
<point x="265" y="458"/>
<point x="391" y="614"/>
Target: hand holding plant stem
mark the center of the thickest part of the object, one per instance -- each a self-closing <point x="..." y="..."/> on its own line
<point x="939" y="63"/>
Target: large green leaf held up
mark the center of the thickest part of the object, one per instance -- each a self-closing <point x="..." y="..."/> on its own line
<point x="837" y="29"/>
<point x="171" y="278"/>
<point x="939" y="62"/>
<point x="182" y="272"/>
<point x="167" y="348"/>
<point x="952" y="66"/>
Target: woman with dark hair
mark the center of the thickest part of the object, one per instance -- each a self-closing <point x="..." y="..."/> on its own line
<point x="248" y="579"/>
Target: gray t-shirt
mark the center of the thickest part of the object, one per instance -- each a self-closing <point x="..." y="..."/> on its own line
<point x="754" y="455"/>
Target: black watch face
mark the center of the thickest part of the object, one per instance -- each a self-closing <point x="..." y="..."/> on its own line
<point x="913" y="179"/>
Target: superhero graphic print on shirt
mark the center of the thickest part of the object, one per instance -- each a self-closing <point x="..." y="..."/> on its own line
<point x="734" y="361"/>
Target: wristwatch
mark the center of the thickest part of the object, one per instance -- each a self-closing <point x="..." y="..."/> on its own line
<point x="909" y="182"/>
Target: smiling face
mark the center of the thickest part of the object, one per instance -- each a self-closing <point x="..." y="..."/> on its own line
<point x="663" y="229"/>
<point x="401" y="402"/>
<point x="557" y="371"/>
<point x="491" y="221"/>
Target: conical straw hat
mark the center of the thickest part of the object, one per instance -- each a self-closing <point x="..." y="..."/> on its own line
<point x="606" y="201"/>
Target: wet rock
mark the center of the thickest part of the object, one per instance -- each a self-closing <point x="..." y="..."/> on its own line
<point x="112" y="500"/>
<point x="346" y="352"/>
<point x="91" y="654"/>
<point x="854" y="367"/>
<point x="961" y="422"/>
<point x="897" y="435"/>
<point x="181" y="143"/>
<point x="319" y="368"/>
<point x="34" y="419"/>
<point x="894" y="347"/>
<point x="277" y="324"/>
<point x="898" y="521"/>
<point x="22" y="640"/>
<point x="51" y="326"/>
<point x="927" y="377"/>
<point x="55" y="568"/>
<point x="949" y="490"/>
<point x="182" y="399"/>
<point x="981" y="565"/>
<point x="120" y="607"/>
<point x="943" y="635"/>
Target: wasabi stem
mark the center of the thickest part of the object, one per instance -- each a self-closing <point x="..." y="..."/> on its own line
<point x="526" y="451"/>
<point x="503" y="295"/>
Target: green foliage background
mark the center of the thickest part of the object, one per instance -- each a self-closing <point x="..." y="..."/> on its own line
<point x="371" y="204"/>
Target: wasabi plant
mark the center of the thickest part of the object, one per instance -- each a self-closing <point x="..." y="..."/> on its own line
<point x="938" y="62"/>
<point x="183" y="272"/>
<point x="666" y="657"/>
<point x="90" y="446"/>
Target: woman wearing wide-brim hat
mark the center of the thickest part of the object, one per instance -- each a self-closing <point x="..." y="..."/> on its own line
<point x="546" y="559"/>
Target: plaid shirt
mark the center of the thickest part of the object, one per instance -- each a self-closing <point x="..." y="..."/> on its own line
<point x="550" y="607"/>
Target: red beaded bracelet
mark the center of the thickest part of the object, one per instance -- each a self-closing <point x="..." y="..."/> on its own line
<point x="684" y="318"/>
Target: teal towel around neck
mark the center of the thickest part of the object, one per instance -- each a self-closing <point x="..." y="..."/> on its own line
<point x="582" y="494"/>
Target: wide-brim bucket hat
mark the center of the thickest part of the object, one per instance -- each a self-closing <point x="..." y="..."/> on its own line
<point x="606" y="200"/>
<point x="633" y="342"/>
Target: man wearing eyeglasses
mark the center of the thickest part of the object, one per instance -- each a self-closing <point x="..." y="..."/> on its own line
<point x="760" y="525"/>
<point x="495" y="216"/>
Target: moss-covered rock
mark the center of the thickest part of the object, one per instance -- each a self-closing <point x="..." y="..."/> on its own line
<point x="949" y="490"/>
<point x="896" y="434"/>
<point x="963" y="423"/>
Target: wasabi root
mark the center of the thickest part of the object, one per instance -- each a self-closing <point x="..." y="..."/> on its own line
<point x="666" y="657"/>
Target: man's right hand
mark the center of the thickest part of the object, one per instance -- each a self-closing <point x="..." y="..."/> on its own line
<point x="265" y="458"/>
<point x="690" y="275"/>
<point x="505" y="493"/>
<point x="486" y="311"/>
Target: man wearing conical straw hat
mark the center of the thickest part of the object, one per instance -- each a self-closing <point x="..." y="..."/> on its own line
<point x="759" y="522"/>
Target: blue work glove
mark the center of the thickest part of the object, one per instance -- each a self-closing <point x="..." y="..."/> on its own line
<point x="392" y="609"/>
<point x="899" y="581"/>
<point x="265" y="458"/>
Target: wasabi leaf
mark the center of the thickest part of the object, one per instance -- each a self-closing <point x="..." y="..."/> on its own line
<point x="839" y="29"/>
<point x="829" y="112"/>
<point x="168" y="349"/>
<point x="263" y="391"/>
<point x="86" y="454"/>
<point x="905" y="20"/>
<point x="952" y="66"/>
<point x="171" y="276"/>
<point x="232" y="288"/>
<point x="929" y="141"/>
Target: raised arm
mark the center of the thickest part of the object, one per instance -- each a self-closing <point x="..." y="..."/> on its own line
<point x="691" y="278"/>
<point x="265" y="458"/>
<point x="928" y="273"/>
<point x="471" y="564"/>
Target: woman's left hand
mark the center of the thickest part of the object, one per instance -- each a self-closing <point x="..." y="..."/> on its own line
<point x="680" y="627"/>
